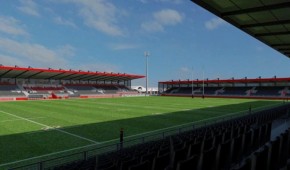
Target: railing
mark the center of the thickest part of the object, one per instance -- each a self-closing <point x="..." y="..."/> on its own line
<point x="83" y="153"/>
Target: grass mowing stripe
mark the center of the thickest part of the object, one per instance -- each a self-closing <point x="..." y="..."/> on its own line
<point x="46" y="126"/>
<point x="130" y="105"/>
<point x="134" y="106"/>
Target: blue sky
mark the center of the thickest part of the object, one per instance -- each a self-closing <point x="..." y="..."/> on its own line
<point x="183" y="39"/>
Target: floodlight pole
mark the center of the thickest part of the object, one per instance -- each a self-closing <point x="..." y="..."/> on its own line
<point x="203" y="83"/>
<point x="146" y="54"/>
<point x="192" y="83"/>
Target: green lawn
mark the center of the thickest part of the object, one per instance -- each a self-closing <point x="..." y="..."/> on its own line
<point x="33" y="128"/>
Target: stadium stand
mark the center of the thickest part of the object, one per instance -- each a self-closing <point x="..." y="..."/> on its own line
<point x="239" y="91"/>
<point x="67" y="90"/>
<point x="44" y="91"/>
<point x="19" y="83"/>
<point x="265" y="92"/>
<point x="268" y="91"/>
<point x="80" y="89"/>
<point x="209" y="90"/>
<point x="268" y="88"/>
<point x="8" y="90"/>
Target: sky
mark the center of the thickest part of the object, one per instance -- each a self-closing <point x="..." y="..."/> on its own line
<point x="184" y="41"/>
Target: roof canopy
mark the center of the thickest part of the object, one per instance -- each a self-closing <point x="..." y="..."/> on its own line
<point x="218" y="81"/>
<point x="39" y="73"/>
<point x="266" y="20"/>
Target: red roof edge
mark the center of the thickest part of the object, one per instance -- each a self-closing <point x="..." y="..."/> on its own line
<point x="216" y="81"/>
<point x="133" y="76"/>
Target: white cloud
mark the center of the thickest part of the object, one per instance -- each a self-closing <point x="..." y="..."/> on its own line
<point x="214" y="23"/>
<point x="124" y="46"/>
<point x="152" y="26"/>
<point x="168" y="17"/>
<point x="61" y="21"/>
<point x="10" y="25"/>
<point x="100" y="67"/>
<point x="165" y="17"/>
<point x="11" y="61"/>
<point x="100" y="15"/>
<point x="35" y="54"/>
<point x="29" y="7"/>
<point x="66" y="51"/>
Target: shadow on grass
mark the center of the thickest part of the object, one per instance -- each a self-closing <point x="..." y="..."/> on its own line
<point x="33" y="144"/>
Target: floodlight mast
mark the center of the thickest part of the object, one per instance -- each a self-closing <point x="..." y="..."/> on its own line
<point x="146" y="54"/>
<point x="203" y="83"/>
<point x="192" y="82"/>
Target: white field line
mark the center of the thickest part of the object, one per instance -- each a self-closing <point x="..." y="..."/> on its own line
<point x="13" y="120"/>
<point x="50" y="127"/>
<point x="54" y="153"/>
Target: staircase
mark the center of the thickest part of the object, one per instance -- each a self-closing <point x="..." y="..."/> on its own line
<point x="23" y="90"/>
<point x="251" y="91"/>
<point x="284" y="92"/>
<point x="222" y="90"/>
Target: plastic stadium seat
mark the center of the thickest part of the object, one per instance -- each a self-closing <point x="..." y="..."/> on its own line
<point x="179" y="155"/>
<point x="128" y="163"/>
<point x="148" y="157"/>
<point x="284" y="148"/>
<point x="248" y="140"/>
<point x="141" y="166"/>
<point x="262" y="158"/>
<point x="224" y="155"/>
<point x="161" y="162"/>
<point x="190" y="163"/>
<point x="208" y="159"/>
<point x="227" y="136"/>
<point x="218" y="139"/>
<point x="256" y="139"/>
<point x="275" y="154"/>
<point x="208" y="144"/>
<point x="238" y="147"/>
<point x="245" y="165"/>
<point x="195" y="149"/>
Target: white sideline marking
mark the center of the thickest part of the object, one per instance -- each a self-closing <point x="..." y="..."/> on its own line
<point x="50" y="127"/>
<point x="14" y="120"/>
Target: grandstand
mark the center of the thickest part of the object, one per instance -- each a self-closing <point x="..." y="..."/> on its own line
<point x="18" y="83"/>
<point x="259" y="88"/>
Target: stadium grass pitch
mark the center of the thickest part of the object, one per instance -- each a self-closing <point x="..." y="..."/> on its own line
<point x="33" y="128"/>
